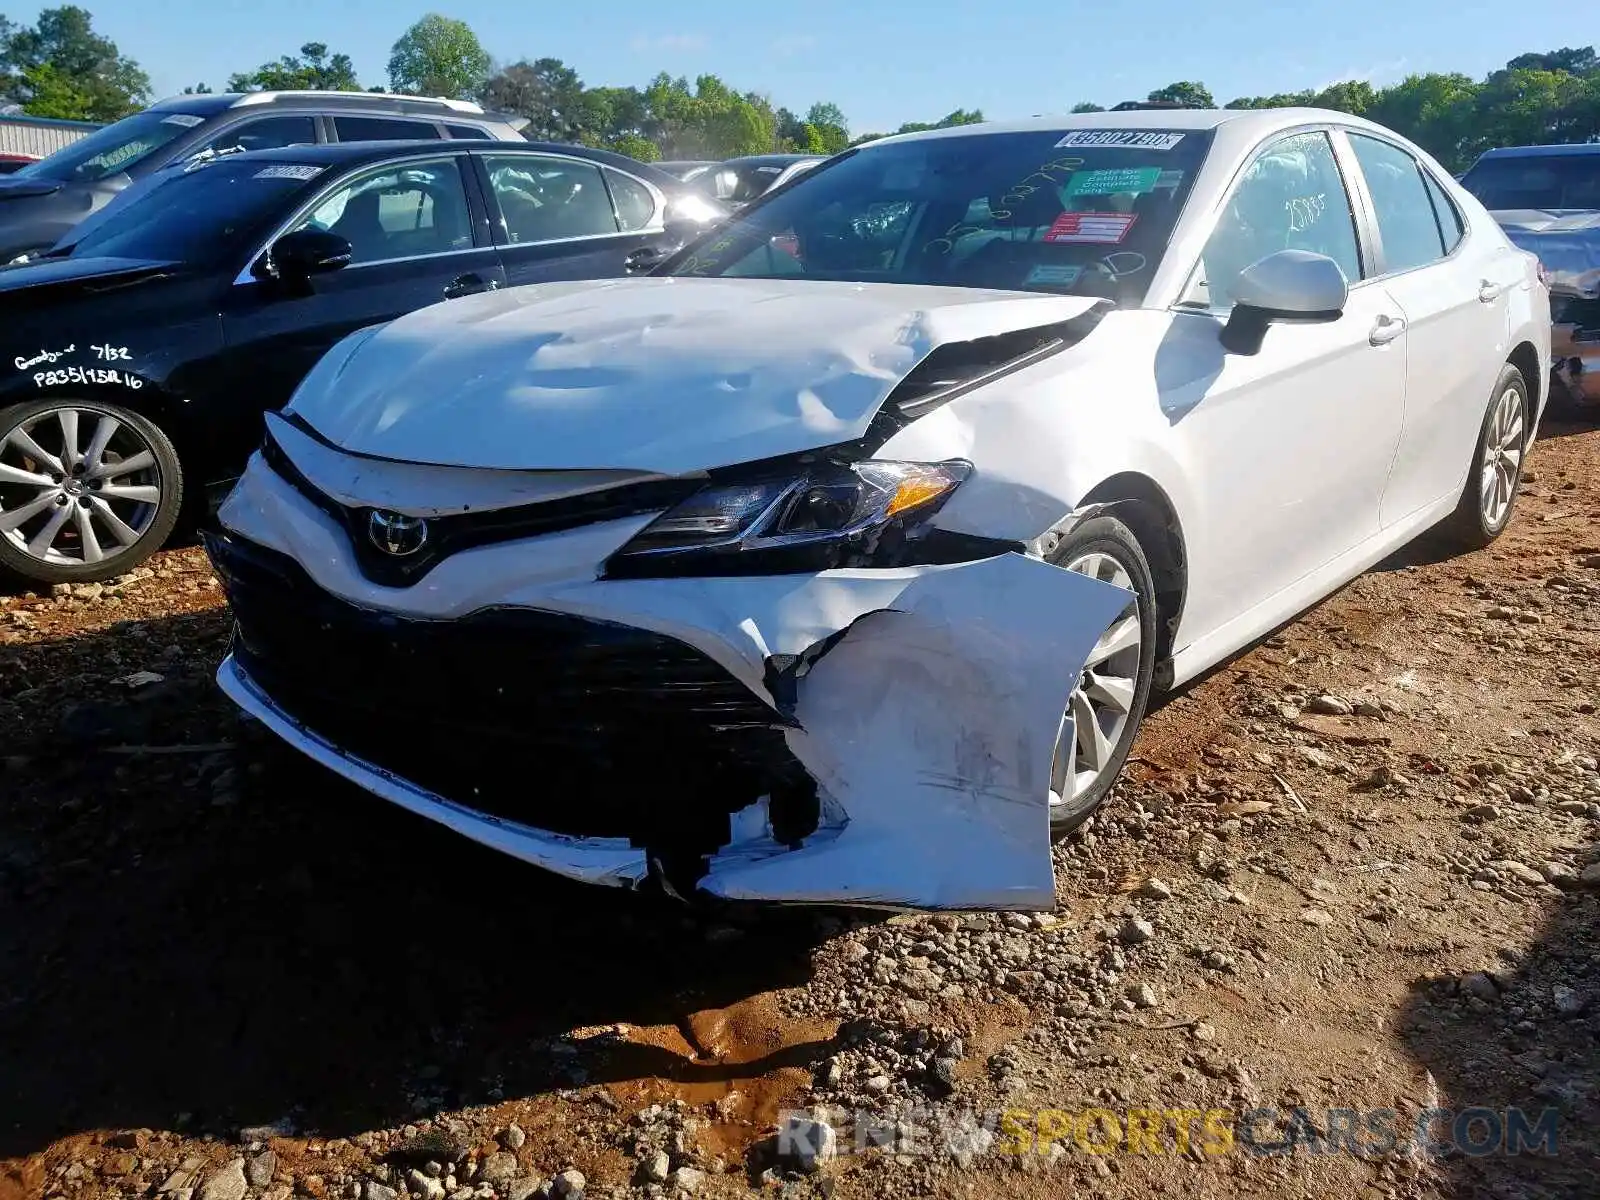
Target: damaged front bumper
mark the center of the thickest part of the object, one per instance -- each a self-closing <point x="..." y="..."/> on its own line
<point x="877" y="737"/>
<point x="1575" y="356"/>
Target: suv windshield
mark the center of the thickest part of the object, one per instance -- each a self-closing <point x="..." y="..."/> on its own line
<point x="1547" y="182"/>
<point x="114" y="149"/>
<point x="1086" y="211"/>
<point x="198" y="215"/>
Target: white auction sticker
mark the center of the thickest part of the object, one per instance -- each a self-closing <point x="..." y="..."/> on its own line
<point x="1123" y="139"/>
<point x="288" y="171"/>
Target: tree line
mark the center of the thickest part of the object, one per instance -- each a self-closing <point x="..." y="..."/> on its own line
<point x="59" y="67"/>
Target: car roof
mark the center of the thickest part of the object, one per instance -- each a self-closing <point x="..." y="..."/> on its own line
<point x="1541" y="151"/>
<point x="770" y="160"/>
<point x="357" y="153"/>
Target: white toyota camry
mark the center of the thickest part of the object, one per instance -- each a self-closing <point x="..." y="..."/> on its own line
<point x="836" y="558"/>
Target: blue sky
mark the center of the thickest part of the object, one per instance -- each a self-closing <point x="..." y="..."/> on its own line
<point x="882" y="61"/>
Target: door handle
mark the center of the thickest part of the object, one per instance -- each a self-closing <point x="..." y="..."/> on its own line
<point x="469" y="285"/>
<point x="1488" y="291"/>
<point x="642" y="260"/>
<point x="1386" y="330"/>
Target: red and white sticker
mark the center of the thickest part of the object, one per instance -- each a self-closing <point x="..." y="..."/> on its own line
<point x="1100" y="229"/>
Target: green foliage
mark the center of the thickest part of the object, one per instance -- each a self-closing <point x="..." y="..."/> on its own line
<point x="59" y="67"/>
<point x="438" y="56"/>
<point x="1535" y="98"/>
<point x="1194" y="95"/>
<point x="547" y="92"/>
<point x="313" y="71"/>
<point x="635" y="146"/>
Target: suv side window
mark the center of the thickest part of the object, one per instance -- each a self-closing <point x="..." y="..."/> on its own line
<point x="466" y="131"/>
<point x="1450" y="223"/>
<point x="400" y="211"/>
<point x="549" y="199"/>
<point x="269" y="133"/>
<point x="1400" y="201"/>
<point x="1292" y="197"/>
<point x="382" y="129"/>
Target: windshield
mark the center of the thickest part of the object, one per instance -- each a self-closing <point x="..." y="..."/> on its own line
<point x="1085" y="212"/>
<point x="114" y="149"/>
<point x="1529" y="181"/>
<point x="196" y="215"/>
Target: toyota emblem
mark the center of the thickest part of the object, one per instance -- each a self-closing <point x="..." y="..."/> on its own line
<point x="397" y="534"/>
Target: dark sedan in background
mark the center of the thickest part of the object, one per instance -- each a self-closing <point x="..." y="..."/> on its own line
<point x="1547" y="199"/>
<point x="686" y="169"/>
<point x="738" y="181"/>
<point x="137" y="357"/>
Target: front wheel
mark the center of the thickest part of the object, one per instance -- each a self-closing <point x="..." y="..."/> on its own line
<point x="87" y="490"/>
<point x="1490" y="494"/>
<point x="1109" y="697"/>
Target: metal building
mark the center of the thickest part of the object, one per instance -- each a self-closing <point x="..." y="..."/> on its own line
<point x="37" y="137"/>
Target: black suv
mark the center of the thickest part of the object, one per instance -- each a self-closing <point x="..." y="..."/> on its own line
<point x="41" y="202"/>
<point x="137" y="357"/>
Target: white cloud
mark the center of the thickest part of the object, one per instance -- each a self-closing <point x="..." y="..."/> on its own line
<point x="794" y="44"/>
<point x="1377" y="74"/>
<point x="669" y="42"/>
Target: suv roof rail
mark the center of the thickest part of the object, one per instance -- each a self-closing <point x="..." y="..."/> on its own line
<point x="464" y="106"/>
<point x="1142" y="105"/>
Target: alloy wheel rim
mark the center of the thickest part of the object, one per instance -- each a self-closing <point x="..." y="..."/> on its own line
<point x="1101" y="705"/>
<point x="78" y="486"/>
<point x="1502" y="459"/>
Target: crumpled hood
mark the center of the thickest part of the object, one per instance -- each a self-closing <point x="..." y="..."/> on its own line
<point x="1566" y="241"/>
<point x="668" y="375"/>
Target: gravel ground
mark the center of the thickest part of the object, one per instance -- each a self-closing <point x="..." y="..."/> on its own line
<point x="1357" y="868"/>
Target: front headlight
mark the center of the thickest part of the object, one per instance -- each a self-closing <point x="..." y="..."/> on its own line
<point x="828" y="516"/>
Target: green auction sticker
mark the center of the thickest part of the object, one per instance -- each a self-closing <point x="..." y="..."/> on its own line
<point x="1112" y="180"/>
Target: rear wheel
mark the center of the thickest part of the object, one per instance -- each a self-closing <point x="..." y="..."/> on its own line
<point x="1490" y="493"/>
<point x="87" y="490"/>
<point x="1109" y="697"/>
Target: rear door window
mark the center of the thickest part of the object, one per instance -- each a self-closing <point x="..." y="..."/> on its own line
<point x="636" y="204"/>
<point x="1400" y="201"/>
<point x="547" y="199"/>
<point x="1451" y="228"/>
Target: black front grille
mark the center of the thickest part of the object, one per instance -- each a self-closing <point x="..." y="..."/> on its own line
<point x="456" y="532"/>
<point x="575" y="726"/>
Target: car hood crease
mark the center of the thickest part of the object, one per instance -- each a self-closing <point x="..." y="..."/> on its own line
<point x="667" y="375"/>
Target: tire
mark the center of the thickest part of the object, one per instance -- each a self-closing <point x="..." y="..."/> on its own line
<point x="75" y="530"/>
<point x="1497" y="459"/>
<point x="1106" y="548"/>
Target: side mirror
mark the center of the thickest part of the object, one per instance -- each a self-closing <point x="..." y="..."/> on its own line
<point x="1291" y="287"/>
<point x="296" y="257"/>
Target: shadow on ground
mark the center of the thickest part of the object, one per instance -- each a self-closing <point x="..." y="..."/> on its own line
<point x="1524" y="1048"/>
<point x="211" y="934"/>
